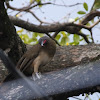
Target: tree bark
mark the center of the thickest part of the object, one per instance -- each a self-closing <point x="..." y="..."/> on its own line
<point x="8" y="37"/>
<point x="67" y="56"/>
<point x="70" y="81"/>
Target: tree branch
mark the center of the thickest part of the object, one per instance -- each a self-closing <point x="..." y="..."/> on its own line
<point x="68" y="27"/>
<point x="90" y="16"/>
<point x="94" y="24"/>
<point x="91" y="36"/>
<point x="56" y="27"/>
<point x="27" y="9"/>
<point x="8" y="36"/>
<point x="71" y="81"/>
<point x="53" y="39"/>
<point x="66" y="5"/>
<point x="84" y="36"/>
<point x="35" y="16"/>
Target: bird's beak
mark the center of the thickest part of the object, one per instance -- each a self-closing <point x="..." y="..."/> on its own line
<point x="42" y="44"/>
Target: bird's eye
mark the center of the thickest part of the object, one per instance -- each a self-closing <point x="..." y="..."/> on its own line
<point x="44" y="41"/>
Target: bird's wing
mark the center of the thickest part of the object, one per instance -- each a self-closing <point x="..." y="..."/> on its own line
<point x="27" y="59"/>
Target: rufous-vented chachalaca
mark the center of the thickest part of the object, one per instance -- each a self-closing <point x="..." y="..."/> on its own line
<point x="37" y="56"/>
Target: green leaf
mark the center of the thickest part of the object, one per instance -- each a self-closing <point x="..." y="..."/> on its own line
<point x="40" y="6"/>
<point x="68" y="34"/>
<point x="85" y="6"/>
<point x="38" y="1"/>
<point x="35" y="34"/>
<point x="81" y="12"/>
<point x="25" y="36"/>
<point x="41" y="35"/>
<point x="88" y="24"/>
<point x="72" y="43"/>
<point x="58" y="37"/>
<point x="63" y="41"/>
<point x="76" y="18"/>
<point x="34" y="39"/>
<point x="31" y="1"/>
<point x="96" y="5"/>
<point x="76" y="38"/>
<point x="20" y="31"/>
<point x="63" y="33"/>
<point x="81" y="39"/>
<point x="92" y="20"/>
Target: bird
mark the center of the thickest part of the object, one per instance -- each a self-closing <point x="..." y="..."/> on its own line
<point x="37" y="56"/>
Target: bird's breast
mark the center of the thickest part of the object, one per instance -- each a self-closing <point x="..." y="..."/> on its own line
<point x="45" y="58"/>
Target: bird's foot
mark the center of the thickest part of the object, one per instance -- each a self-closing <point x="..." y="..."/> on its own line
<point x="36" y="76"/>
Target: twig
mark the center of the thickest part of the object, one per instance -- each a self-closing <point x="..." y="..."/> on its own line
<point x="86" y="27"/>
<point x="91" y="35"/>
<point x="90" y="16"/>
<point x="76" y="98"/>
<point x="28" y="8"/>
<point x="54" y="4"/>
<point x="55" y="34"/>
<point x="35" y="16"/>
<point x="66" y="5"/>
<point x="94" y="24"/>
<point x="24" y="9"/>
<point x="53" y="39"/>
<point x="84" y="36"/>
<point x="92" y="6"/>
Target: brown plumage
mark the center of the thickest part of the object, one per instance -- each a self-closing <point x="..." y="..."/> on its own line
<point x="38" y="56"/>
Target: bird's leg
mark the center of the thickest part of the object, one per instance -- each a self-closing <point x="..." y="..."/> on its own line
<point x="36" y="75"/>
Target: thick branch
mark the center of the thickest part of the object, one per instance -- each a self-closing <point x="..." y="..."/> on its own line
<point x="8" y="36"/>
<point x="68" y="27"/>
<point x="90" y="16"/>
<point x="72" y="81"/>
<point x="46" y="28"/>
<point x="67" y="56"/>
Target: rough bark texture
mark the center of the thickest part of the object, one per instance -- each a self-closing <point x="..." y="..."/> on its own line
<point x="8" y="37"/>
<point x="67" y="56"/>
<point x="71" y="81"/>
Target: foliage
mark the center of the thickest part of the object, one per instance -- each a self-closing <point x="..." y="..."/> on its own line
<point x="63" y="37"/>
<point x="85" y="6"/>
<point x="96" y="5"/>
<point x="29" y="37"/>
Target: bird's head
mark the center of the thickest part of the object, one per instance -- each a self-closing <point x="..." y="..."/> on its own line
<point x="43" y="41"/>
